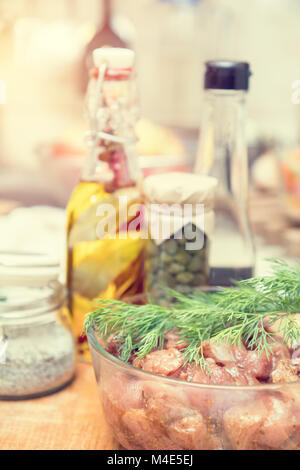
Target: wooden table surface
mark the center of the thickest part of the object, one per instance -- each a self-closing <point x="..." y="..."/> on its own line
<point x="69" y="420"/>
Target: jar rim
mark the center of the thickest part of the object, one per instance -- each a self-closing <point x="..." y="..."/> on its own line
<point x="29" y="286"/>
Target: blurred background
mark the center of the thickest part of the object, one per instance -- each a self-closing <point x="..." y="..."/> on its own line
<point x="45" y="49"/>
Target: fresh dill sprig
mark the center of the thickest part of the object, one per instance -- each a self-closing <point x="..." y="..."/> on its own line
<point x="243" y="314"/>
<point x="135" y="327"/>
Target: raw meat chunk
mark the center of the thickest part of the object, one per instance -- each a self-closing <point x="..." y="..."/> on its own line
<point x="191" y="433"/>
<point x="127" y="393"/>
<point x="165" y="408"/>
<point x="174" y="340"/>
<point x="258" y="366"/>
<point x="264" y="424"/>
<point x="221" y="353"/>
<point x="145" y="433"/>
<point x="242" y="424"/>
<point x="278" y="426"/>
<point x="162" y="362"/>
<point x="284" y="372"/>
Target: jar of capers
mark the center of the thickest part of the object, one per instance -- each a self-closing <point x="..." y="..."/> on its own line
<point x="180" y="222"/>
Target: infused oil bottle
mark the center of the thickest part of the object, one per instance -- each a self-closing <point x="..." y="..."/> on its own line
<point x="105" y="250"/>
<point x="223" y="154"/>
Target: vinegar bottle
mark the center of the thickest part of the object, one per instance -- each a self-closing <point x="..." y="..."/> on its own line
<point x="223" y="154"/>
<point x="103" y="260"/>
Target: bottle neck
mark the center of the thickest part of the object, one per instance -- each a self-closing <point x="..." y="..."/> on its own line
<point x="113" y="111"/>
<point x="115" y="168"/>
<point x="225" y="108"/>
<point x="107" y="12"/>
<point x="222" y="130"/>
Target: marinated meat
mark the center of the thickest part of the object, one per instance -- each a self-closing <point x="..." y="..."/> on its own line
<point x="173" y="340"/>
<point x="111" y="345"/>
<point x="126" y="393"/>
<point x="230" y="374"/>
<point x="296" y="354"/>
<point x="193" y="373"/>
<point x="264" y="424"/>
<point x="145" y="433"/>
<point x="227" y="365"/>
<point x="296" y="363"/>
<point x="278" y="425"/>
<point x="280" y="351"/>
<point x="166" y="420"/>
<point x="219" y="375"/>
<point x="242" y="424"/>
<point x="276" y="327"/>
<point x="284" y="372"/>
<point x="240" y="352"/>
<point x="191" y="433"/>
<point x="165" y="404"/>
<point x="220" y="353"/>
<point x="162" y="362"/>
<point x="258" y="366"/>
<point x="149" y="414"/>
<point x="239" y="376"/>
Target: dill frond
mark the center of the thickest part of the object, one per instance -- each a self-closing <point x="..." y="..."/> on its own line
<point x="243" y="314"/>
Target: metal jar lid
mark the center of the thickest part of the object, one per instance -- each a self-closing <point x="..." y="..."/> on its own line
<point x="27" y="269"/>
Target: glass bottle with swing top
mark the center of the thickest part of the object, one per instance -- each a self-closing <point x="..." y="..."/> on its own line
<point x="105" y="246"/>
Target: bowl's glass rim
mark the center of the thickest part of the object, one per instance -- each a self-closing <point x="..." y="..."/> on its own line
<point x="93" y="342"/>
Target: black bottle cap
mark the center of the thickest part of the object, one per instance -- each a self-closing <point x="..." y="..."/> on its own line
<point x="227" y="75"/>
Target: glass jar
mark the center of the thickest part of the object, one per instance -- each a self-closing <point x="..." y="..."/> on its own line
<point x="180" y="221"/>
<point x="37" y="352"/>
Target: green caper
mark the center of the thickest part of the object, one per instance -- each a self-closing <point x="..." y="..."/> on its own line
<point x="171" y="281"/>
<point x="153" y="249"/>
<point x="153" y="264"/>
<point x="183" y="289"/>
<point x="165" y="258"/>
<point x="196" y="264"/>
<point x="170" y="247"/>
<point x="181" y="241"/>
<point x="176" y="268"/>
<point x="185" y="278"/>
<point x="182" y="257"/>
<point x="162" y="277"/>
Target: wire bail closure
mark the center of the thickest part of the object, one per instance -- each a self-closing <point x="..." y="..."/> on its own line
<point x="92" y="137"/>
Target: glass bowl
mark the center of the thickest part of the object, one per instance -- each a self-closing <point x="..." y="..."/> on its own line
<point x="151" y="412"/>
